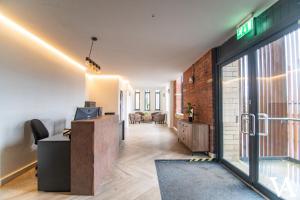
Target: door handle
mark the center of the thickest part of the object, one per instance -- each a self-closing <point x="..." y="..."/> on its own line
<point x="265" y="117"/>
<point x="248" y="117"/>
<point x="244" y="118"/>
<point x="252" y="131"/>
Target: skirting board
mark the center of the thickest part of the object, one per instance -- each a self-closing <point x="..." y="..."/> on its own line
<point x="17" y="173"/>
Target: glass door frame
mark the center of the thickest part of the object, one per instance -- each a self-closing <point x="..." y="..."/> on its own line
<point x="251" y="72"/>
<point x="252" y="178"/>
<point x="271" y="39"/>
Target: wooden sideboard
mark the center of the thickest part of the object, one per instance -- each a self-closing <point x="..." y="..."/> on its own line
<point x="194" y="135"/>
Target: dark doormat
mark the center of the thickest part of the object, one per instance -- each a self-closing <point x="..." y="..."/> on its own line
<point x="185" y="180"/>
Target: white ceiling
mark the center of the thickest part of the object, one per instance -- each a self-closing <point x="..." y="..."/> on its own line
<point x="147" y="51"/>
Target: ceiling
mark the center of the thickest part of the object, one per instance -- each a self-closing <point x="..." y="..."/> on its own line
<point x="147" y="50"/>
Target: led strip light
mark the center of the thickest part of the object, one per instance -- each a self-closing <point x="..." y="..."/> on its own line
<point x="18" y="28"/>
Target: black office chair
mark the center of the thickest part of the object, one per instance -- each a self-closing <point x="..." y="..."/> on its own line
<point x="39" y="130"/>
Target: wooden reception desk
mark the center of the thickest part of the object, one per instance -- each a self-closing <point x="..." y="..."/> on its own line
<point x="94" y="149"/>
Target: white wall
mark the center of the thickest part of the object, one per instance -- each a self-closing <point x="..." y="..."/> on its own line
<point x="127" y="90"/>
<point x="172" y="111"/>
<point x="152" y="99"/>
<point x="33" y="84"/>
<point x="104" y="91"/>
<point x="170" y="103"/>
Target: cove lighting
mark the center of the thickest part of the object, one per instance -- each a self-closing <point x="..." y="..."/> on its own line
<point x="18" y="28"/>
<point x="106" y="76"/>
<point x="103" y="76"/>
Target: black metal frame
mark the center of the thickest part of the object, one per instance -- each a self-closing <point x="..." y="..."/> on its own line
<point x="215" y="74"/>
<point x="254" y="141"/>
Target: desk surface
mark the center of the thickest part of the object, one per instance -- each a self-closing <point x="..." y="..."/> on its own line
<point x="56" y="138"/>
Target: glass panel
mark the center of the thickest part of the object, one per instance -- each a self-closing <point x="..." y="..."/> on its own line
<point x="278" y="78"/>
<point x="137" y="100"/>
<point x="147" y="100"/>
<point x="235" y="102"/>
<point x="157" y="100"/>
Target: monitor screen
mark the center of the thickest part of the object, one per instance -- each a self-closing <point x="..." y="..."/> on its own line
<point x="87" y="113"/>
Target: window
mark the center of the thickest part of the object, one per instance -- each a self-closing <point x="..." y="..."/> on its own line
<point x="147" y="100"/>
<point x="157" y="100"/>
<point x="137" y="100"/>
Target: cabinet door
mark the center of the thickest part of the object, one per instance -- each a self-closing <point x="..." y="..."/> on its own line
<point x="179" y="129"/>
<point x="188" y="128"/>
<point x="183" y="133"/>
<point x="200" y="140"/>
<point x="190" y="137"/>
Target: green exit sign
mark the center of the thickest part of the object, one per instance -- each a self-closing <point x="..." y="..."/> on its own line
<point x="245" y="28"/>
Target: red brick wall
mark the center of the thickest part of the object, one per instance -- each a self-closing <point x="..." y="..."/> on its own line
<point x="200" y="93"/>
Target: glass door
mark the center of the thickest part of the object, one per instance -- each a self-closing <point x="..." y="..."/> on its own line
<point x="236" y="118"/>
<point x="278" y="124"/>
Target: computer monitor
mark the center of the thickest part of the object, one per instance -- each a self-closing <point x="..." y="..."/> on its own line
<point x="87" y="113"/>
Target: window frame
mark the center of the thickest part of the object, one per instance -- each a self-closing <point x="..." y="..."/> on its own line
<point x="147" y="92"/>
<point x="157" y="92"/>
<point x="135" y="103"/>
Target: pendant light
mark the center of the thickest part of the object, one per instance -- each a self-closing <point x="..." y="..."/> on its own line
<point x="92" y="65"/>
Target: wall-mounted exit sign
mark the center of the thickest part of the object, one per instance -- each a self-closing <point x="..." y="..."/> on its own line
<point x="245" y="28"/>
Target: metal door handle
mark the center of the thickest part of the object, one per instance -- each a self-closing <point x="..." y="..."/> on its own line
<point x="250" y="118"/>
<point x="265" y="117"/>
<point x="252" y="131"/>
<point x="244" y="118"/>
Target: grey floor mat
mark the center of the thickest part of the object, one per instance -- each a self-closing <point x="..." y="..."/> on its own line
<point x="184" y="180"/>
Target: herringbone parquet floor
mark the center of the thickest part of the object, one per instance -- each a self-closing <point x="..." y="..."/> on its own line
<point x="134" y="177"/>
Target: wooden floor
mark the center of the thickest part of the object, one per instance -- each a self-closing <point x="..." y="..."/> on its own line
<point x="134" y="176"/>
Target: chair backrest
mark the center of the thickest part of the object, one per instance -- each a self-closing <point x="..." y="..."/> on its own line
<point x="154" y="113"/>
<point x="39" y="130"/>
<point x="131" y="116"/>
<point x="140" y="113"/>
<point x="137" y="117"/>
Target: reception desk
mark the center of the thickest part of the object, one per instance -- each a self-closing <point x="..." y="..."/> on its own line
<point x="94" y="149"/>
<point x="79" y="164"/>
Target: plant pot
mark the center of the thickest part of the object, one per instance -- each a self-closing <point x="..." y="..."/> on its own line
<point x="190" y="119"/>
